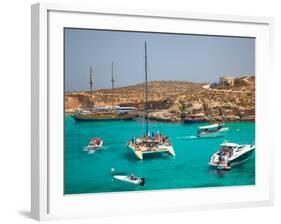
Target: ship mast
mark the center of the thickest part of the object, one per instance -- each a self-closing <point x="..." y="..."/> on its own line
<point x="91" y="88"/>
<point x="112" y="85"/>
<point x="146" y="90"/>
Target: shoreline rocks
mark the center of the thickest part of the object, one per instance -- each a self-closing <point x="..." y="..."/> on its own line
<point x="171" y="101"/>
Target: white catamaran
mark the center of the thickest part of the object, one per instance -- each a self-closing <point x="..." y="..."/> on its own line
<point x="150" y="144"/>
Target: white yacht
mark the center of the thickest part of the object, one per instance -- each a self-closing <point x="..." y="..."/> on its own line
<point x="231" y="154"/>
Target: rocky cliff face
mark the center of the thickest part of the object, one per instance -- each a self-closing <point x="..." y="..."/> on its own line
<point x="173" y="100"/>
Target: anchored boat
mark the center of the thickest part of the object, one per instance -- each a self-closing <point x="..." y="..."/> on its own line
<point x="146" y="144"/>
<point x="151" y="145"/>
<point x="97" y="115"/>
<point x="105" y="113"/>
<point x="214" y="130"/>
<point x="231" y="154"/>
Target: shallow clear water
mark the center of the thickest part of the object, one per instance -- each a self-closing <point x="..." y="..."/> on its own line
<point x="91" y="173"/>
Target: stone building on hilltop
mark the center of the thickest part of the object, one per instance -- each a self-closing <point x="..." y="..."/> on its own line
<point x="226" y="81"/>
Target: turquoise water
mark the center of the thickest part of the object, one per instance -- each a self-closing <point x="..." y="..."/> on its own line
<point x="91" y="173"/>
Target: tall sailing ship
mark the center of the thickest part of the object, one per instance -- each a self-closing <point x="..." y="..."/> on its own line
<point x="156" y="143"/>
<point x="104" y="113"/>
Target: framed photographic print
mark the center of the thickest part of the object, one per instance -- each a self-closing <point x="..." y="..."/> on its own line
<point x="148" y="111"/>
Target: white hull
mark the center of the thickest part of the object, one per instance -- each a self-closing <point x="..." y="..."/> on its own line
<point x="92" y="149"/>
<point x="139" y="153"/>
<point x="215" y="134"/>
<point x="237" y="158"/>
<point x="127" y="179"/>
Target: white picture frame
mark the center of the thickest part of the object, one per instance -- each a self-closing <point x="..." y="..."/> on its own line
<point x="48" y="201"/>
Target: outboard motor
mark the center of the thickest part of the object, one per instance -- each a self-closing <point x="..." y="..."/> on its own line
<point x="142" y="181"/>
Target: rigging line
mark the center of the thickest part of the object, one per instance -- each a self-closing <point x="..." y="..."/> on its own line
<point x="146" y="90"/>
<point x="91" y="88"/>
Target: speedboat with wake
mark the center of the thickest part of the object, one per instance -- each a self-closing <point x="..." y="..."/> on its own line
<point x="231" y="154"/>
<point x="132" y="179"/>
<point x="213" y="130"/>
<point x="94" y="145"/>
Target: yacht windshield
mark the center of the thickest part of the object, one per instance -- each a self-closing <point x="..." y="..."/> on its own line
<point x="226" y="150"/>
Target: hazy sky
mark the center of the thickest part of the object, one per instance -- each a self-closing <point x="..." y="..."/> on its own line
<point x="170" y="57"/>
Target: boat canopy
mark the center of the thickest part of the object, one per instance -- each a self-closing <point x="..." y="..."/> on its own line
<point x="212" y="126"/>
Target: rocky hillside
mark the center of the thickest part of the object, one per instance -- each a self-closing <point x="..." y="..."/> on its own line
<point x="172" y="100"/>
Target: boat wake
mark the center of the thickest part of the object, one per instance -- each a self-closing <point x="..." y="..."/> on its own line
<point x="185" y="137"/>
<point x="193" y="137"/>
<point x="91" y="151"/>
<point x="85" y="148"/>
<point x="107" y="147"/>
<point x="190" y="137"/>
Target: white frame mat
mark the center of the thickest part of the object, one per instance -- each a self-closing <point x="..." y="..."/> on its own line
<point x="48" y="200"/>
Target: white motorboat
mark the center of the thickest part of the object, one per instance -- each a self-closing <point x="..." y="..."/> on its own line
<point x="231" y="154"/>
<point x="211" y="131"/>
<point x="130" y="179"/>
<point x="94" y="145"/>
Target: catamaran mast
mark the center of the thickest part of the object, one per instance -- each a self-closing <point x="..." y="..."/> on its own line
<point x="91" y="87"/>
<point x="146" y="91"/>
<point x="112" y="86"/>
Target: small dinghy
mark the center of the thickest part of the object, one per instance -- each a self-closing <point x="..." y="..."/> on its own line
<point x="130" y="179"/>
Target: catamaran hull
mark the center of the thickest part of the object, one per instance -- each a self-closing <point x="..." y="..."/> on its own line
<point x="137" y="153"/>
<point x="162" y="149"/>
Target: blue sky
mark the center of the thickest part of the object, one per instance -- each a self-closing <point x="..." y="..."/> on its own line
<point x="170" y="57"/>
